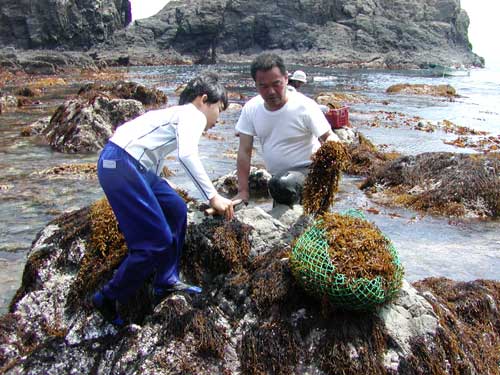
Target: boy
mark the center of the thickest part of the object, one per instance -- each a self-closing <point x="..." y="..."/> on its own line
<point x="151" y="215"/>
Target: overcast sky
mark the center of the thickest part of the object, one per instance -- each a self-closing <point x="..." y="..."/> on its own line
<point x="483" y="29"/>
<point x="146" y="8"/>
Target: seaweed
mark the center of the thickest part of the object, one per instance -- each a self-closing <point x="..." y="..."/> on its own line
<point x="105" y="251"/>
<point x="322" y="181"/>
<point x="467" y="340"/>
<point x="357" y="248"/>
<point x="216" y="247"/>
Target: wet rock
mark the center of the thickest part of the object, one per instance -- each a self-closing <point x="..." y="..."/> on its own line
<point x="38" y="62"/>
<point x="251" y="318"/>
<point x="440" y="183"/>
<point x="39" y="68"/>
<point x="422" y="89"/>
<point x="6" y="102"/>
<point x="126" y="90"/>
<point x="36" y="128"/>
<point x="346" y="135"/>
<point x="28" y="92"/>
<point x="258" y="183"/>
<point x="81" y="125"/>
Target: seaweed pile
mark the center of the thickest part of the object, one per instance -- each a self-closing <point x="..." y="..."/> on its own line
<point x="348" y="260"/>
<point x="357" y="248"/>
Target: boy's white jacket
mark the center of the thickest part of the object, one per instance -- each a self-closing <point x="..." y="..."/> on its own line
<point x="151" y="137"/>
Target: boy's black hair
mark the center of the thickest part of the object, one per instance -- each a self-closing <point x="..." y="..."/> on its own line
<point x="206" y="83"/>
<point x="266" y="61"/>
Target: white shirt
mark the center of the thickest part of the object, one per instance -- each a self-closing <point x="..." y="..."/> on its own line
<point x="151" y="137"/>
<point x="288" y="136"/>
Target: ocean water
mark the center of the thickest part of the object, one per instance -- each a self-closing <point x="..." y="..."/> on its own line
<point x="428" y="246"/>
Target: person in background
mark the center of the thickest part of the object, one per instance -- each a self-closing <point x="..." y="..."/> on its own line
<point x="150" y="213"/>
<point x="297" y="80"/>
<point x="289" y="126"/>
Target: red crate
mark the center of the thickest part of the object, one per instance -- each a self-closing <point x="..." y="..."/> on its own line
<point x="338" y="118"/>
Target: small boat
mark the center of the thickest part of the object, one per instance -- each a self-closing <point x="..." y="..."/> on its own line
<point x="448" y="71"/>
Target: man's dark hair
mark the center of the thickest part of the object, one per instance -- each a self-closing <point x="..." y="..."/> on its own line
<point x="266" y="61"/>
<point x="206" y="83"/>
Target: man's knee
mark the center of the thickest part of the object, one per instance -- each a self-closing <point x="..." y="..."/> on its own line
<point x="286" y="188"/>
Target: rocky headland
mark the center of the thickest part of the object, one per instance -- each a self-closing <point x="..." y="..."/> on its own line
<point x="367" y="34"/>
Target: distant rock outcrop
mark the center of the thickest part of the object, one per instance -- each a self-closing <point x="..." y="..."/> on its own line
<point x="345" y="33"/>
<point x="61" y="24"/>
<point x="367" y="33"/>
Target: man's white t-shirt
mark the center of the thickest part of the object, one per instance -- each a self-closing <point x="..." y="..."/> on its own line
<point x="288" y="136"/>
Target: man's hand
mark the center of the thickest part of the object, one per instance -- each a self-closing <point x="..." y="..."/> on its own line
<point x="329" y="136"/>
<point x="243" y="196"/>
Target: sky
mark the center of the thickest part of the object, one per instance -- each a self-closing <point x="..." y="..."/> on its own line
<point x="483" y="29"/>
<point x="146" y="8"/>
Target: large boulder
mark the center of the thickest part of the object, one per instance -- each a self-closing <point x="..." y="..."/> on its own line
<point x="126" y="90"/>
<point x="440" y="183"/>
<point x="251" y="318"/>
<point x="40" y="62"/>
<point x="85" y="125"/>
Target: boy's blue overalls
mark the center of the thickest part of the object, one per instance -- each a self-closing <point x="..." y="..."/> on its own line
<point x="152" y="218"/>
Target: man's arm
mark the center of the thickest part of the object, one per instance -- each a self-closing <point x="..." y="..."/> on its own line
<point x="329" y="136"/>
<point x="243" y="166"/>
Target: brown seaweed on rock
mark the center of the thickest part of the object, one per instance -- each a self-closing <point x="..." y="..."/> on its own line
<point x="468" y="339"/>
<point x="322" y="181"/>
<point x="106" y="250"/>
<point x="440" y="183"/>
<point x="229" y="243"/>
<point x="422" y="89"/>
<point x="253" y="321"/>
<point x="366" y="157"/>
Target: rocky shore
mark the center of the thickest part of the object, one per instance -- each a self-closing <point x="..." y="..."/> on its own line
<point x="252" y="318"/>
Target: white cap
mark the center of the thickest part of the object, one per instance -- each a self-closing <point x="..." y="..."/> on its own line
<point x="299" y="75"/>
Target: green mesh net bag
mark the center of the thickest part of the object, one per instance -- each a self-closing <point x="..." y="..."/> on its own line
<point x="335" y="258"/>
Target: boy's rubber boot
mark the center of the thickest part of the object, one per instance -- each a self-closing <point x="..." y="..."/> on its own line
<point x="160" y="293"/>
<point x="107" y="308"/>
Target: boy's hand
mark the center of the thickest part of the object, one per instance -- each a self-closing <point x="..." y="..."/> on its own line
<point x="221" y="206"/>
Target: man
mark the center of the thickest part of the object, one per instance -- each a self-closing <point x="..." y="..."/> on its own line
<point x="297" y="80"/>
<point x="289" y="125"/>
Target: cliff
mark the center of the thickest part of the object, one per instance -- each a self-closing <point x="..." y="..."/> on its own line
<point x="372" y="33"/>
<point x="66" y="24"/>
<point x="378" y="32"/>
